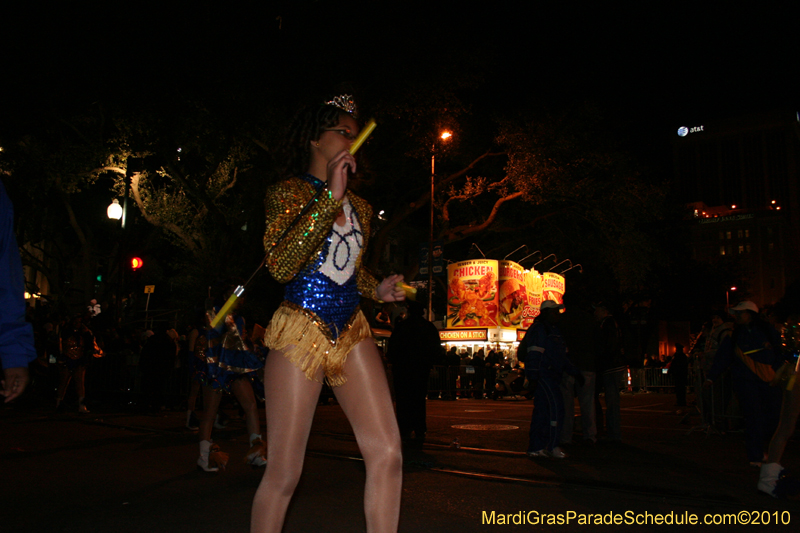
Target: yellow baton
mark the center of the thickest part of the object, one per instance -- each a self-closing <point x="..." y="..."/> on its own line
<point x="371" y="125"/>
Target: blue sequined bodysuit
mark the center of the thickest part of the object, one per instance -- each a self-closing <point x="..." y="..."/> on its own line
<point x="327" y="286"/>
<point x="320" y="262"/>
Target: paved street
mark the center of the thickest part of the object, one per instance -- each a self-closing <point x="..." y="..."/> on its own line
<point x="112" y="471"/>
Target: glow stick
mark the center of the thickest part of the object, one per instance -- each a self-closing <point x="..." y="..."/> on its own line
<point x="371" y="125"/>
<point x="411" y="292"/>
<point x="238" y="291"/>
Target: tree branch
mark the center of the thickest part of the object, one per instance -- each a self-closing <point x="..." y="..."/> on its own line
<point x="260" y="144"/>
<point x="187" y="240"/>
<point x="466" y="169"/>
<point x="73" y="221"/>
<point x="229" y="185"/>
<point x="199" y="194"/>
<point x="446" y="206"/>
<point x="379" y="240"/>
<point x="98" y="170"/>
<point x="460" y="232"/>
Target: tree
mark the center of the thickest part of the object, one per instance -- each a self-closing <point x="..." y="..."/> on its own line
<point x="205" y="166"/>
<point x="553" y="181"/>
<point x="188" y="184"/>
<point x="60" y="207"/>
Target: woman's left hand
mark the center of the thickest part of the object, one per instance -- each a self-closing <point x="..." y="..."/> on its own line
<point x="387" y="291"/>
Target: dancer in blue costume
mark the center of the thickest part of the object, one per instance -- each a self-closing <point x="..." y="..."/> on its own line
<point x="226" y="364"/>
<point x="319" y="331"/>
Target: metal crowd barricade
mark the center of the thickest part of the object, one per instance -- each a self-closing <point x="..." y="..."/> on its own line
<point x="659" y="378"/>
<point x="442" y="382"/>
<point x="637" y="379"/>
<point x="653" y="379"/>
<point x="717" y="404"/>
<point x="450" y="382"/>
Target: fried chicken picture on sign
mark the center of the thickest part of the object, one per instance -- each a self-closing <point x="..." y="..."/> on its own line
<point x="472" y="302"/>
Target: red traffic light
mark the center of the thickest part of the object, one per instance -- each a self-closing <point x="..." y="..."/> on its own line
<point x="136" y="263"/>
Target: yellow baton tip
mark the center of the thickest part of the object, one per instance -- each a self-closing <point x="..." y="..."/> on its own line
<point x="411" y="292"/>
<point x="371" y="125"/>
<point x="224" y="311"/>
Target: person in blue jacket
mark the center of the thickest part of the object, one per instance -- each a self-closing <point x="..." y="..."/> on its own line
<point x="545" y="356"/>
<point x="16" y="335"/>
<point x="753" y="353"/>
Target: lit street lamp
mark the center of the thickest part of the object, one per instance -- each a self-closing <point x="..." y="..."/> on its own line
<point x="446" y="135"/>
<point x="114" y="210"/>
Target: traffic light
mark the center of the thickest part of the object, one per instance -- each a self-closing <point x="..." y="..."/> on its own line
<point x="136" y="263"/>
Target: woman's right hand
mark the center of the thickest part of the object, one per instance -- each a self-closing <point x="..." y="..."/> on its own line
<point x="337" y="173"/>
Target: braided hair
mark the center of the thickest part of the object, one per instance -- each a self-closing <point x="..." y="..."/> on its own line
<point x="307" y="126"/>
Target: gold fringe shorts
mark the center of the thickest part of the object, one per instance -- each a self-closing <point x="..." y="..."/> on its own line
<point x="310" y="343"/>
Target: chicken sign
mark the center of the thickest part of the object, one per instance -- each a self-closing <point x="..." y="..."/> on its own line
<point x="472" y="294"/>
<point x="485" y="293"/>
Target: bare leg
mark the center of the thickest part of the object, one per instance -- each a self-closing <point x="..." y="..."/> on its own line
<point x="291" y="400"/>
<point x="212" y="398"/>
<point x="243" y="391"/>
<point x="367" y="403"/>
<point x="194" y="390"/>
<point x="790" y="409"/>
<point x="80" y="381"/>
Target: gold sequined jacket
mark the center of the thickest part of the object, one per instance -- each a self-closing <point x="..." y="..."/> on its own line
<point x="305" y="240"/>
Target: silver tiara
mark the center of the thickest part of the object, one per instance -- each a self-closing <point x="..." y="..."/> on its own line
<point x="344" y="102"/>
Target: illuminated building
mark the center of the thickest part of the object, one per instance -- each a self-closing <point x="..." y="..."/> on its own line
<point x="749" y="168"/>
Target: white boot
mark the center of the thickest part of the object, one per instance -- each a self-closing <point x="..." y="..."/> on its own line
<point x="202" y="462"/>
<point x="769" y="478"/>
<point x="256" y="455"/>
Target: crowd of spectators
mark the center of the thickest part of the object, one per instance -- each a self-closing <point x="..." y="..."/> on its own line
<point x="87" y="357"/>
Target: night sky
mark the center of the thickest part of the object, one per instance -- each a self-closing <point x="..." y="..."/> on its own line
<point x="651" y="67"/>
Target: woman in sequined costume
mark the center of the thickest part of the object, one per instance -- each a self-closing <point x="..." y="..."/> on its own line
<point x="319" y="331"/>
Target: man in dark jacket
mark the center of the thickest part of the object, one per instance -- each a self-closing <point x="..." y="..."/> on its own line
<point x="610" y="370"/>
<point x="413" y="348"/>
<point x="545" y="363"/>
<point x="578" y="329"/>
<point x="491" y="362"/>
<point x="452" y="366"/>
<point x="753" y="353"/>
<point x="679" y="370"/>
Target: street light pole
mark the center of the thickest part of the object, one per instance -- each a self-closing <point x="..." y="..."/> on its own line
<point x="444" y="136"/>
<point x="133" y="167"/>
<point x="430" y="240"/>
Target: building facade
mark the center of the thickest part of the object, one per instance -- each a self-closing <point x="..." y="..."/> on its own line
<point x="741" y="178"/>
